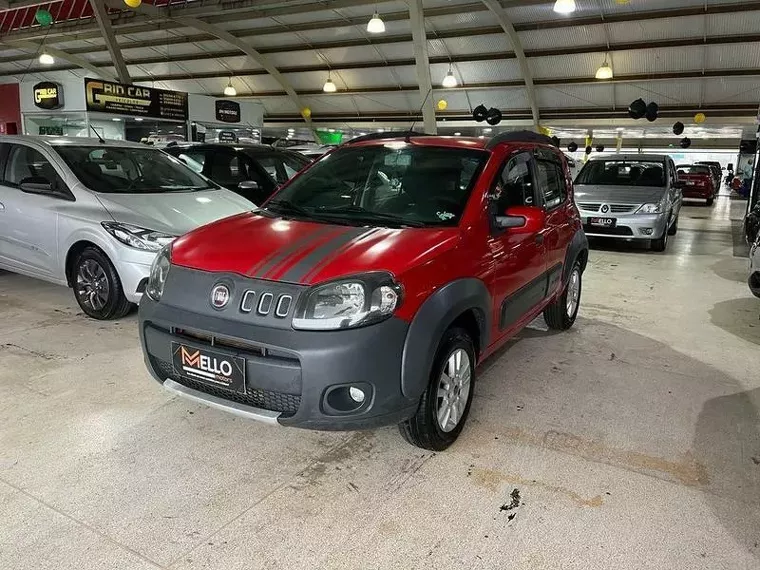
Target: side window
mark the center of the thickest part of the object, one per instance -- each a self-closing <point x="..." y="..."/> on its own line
<point x="25" y="162"/>
<point x="551" y="183"/>
<point x="514" y="186"/>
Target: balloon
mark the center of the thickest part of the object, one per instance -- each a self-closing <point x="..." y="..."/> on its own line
<point x="700" y="118"/>
<point x="588" y="149"/>
<point x="306" y="113"/>
<point x="678" y="128"/>
<point x="479" y="113"/>
<point x="637" y="109"/>
<point x="600" y="148"/>
<point x="652" y="110"/>
<point x="493" y="117"/>
<point x="685" y="142"/>
<point x="133" y="3"/>
<point x="556" y="142"/>
<point x="572" y="147"/>
<point x="442" y="105"/>
<point x="43" y="17"/>
<point x="545" y="131"/>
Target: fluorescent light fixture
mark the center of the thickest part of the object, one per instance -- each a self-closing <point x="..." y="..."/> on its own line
<point x="457" y="134"/>
<point x="117" y="119"/>
<point x="564" y="6"/>
<point x="46" y="58"/>
<point x="329" y="86"/>
<point x="138" y="119"/>
<point x="605" y="71"/>
<point x="487" y="130"/>
<point x="230" y="91"/>
<point x="449" y="81"/>
<point x="376" y="24"/>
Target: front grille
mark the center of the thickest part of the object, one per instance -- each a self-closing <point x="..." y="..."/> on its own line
<point x="250" y="348"/>
<point x="622" y="208"/>
<point x="590" y="206"/>
<point x="618" y="231"/>
<point x="287" y="404"/>
<point x="613" y="208"/>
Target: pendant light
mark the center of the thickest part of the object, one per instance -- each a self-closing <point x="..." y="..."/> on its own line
<point x="329" y="86"/>
<point x="449" y="80"/>
<point x="376" y="24"/>
<point x="230" y="91"/>
<point x="46" y="58"/>
<point x="564" y="6"/>
<point x="605" y="71"/>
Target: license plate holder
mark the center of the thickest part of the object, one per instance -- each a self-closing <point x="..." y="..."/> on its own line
<point x="602" y="222"/>
<point x="209" y="367"/>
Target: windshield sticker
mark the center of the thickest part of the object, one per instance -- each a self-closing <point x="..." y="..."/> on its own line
<point x="445" y="216"/>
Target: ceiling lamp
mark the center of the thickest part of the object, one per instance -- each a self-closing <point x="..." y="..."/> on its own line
<point x="564" y="6"/>
<point x="46" y="58"/>
<point x="449" y="81"/>
<point x="605" y="71"/>
<point x="230" y="91"/>
<point x="376" y="25"/>
<point x="329" y="86"/>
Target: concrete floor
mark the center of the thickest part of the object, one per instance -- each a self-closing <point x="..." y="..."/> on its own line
<point x="633" y="441"/>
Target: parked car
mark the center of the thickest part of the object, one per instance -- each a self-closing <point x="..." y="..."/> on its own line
<point x="754" y="268"/>
<point x="368" y="288"/>
<point x="717" y="172"/>
<point x="633" y="197"/>
<point x="252" y="170"/>
<point x="698" y="182"/>
<point x="752" y="224"/>
<point x="92" y="214"/>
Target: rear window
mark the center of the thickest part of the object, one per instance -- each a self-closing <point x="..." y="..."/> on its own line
<point x="692" y="169"/>
<point x="623" y="173"/>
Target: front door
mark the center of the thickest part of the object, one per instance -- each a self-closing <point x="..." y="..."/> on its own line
<point x="29" y="226"/>
<point x="518" y="282"/>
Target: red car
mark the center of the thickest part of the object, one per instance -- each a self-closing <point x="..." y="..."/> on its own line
<point x="697" y="182"/>
<point x="366" y="290"/>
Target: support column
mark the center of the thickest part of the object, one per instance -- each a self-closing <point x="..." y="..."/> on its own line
<point x="422" y="60"/>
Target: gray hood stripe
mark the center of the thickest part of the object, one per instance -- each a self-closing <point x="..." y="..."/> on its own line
<point x="328" y="258"/>
<point x="304" y="266"/>
<point x="263" y="266"/>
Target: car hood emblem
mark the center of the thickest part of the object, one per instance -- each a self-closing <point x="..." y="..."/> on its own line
<point x="220" y="296"/>
<point x="605" y="208"/>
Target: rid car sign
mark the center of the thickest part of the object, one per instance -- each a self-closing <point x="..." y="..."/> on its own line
<point x="109" y="97"/>
<point x="48" y="95"/>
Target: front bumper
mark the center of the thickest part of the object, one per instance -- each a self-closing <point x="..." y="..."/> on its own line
<point x="290" y="374"/>
<point x="630" y="226"/>
<point x="133" y="267"/>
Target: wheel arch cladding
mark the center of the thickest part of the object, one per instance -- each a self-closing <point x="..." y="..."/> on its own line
<point x="576" y="251"/>
<point x="464" y="301"/>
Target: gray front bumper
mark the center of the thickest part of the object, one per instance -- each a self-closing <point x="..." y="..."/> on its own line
<point x="630" y="226"/>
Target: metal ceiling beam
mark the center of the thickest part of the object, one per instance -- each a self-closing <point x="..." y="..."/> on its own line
<point x="76" y="61"/>
<point x="422" y="63"/>
<point x="501" y="16"/>
<point x="104" y="23"/>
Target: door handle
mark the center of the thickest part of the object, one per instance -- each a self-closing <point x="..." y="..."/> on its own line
<point x="539" y="238"/>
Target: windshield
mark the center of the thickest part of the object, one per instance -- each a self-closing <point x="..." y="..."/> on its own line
<point x="691" y="169"/>
<point x="130" y="170"/>
<point x="395" y="184"/>
<point x="622" y="173"/>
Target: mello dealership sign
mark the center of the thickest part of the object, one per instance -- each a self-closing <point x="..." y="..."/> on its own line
<point x="117" y="98"/>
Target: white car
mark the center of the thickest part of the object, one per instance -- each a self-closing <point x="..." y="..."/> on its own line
<point x="92" y="214"/>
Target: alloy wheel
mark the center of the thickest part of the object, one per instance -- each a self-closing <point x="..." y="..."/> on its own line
<point x="454" y="389"/>
<point x="92" y="285"/>
<point x="573" y="292"/>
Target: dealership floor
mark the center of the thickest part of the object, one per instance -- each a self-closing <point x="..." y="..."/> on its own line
<point x="633" y="441"/>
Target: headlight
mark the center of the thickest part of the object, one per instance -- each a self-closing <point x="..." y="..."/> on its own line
<point x="650" y="209"/>
<point x="158" y="273"/>
<point x="348" y="303"/>
<point x="137" y="237"/>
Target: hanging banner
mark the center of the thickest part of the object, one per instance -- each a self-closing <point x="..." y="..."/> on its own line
<point x="227" y="111"/>
<point x="120" y="99"/>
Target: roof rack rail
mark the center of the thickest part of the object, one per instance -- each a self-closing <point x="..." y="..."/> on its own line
<point x="385" y="135"/>
<point x="519" y="136"/>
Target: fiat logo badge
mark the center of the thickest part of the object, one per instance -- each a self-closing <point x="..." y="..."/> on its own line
<point x="605" y="208"/>
<point x="220" y="296"/>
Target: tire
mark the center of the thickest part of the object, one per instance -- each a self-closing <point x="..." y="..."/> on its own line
<point x="561" y="314"/>
<point x="711" y="200"/>
<point x="660" y="244"/>
<point x="673" y="229"/>
<point x="97" y="287"/>
<point x="424" y="429"/>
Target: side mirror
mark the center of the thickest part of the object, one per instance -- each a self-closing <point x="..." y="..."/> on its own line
<point x="36" y="185"/>
<point x="248" y="185"/>
<point x="522" y="219"/>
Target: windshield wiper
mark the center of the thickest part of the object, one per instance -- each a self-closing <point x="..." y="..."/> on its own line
<point x="370" y="215"/>
<point x="288" y="206"/>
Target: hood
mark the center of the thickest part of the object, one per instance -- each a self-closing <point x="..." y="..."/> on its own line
<point x="618" y="194"/>
<point x="306" y="252"/>
<point x="174" y="213"/>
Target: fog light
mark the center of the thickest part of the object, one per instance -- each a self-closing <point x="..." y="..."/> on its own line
<point x="356" y="395"/>
<point x="647" y="231"/>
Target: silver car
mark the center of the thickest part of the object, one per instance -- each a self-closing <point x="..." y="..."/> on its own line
<point x="630" y="196"/>
<point x="92" y="214"/>
<point x="754" y="268"/>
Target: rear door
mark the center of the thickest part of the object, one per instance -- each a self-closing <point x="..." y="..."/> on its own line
<point x="29" y="226"/>
<point x="553" y="184"/>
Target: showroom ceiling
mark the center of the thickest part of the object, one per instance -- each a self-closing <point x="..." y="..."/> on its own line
<point x="686" y="55"/>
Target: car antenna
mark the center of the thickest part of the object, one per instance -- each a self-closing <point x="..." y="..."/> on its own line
<point x="409" y="133"/>
<point x="94" y="130"/>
